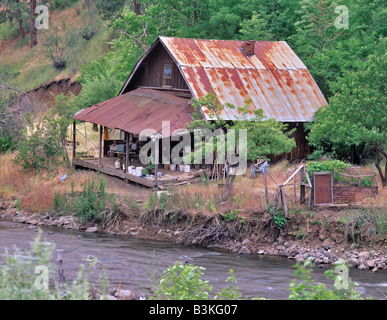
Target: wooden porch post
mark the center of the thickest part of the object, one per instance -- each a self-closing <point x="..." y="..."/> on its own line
<point x="100" y="148"/>
<point x="74" y="136"/>
<point x="302" y="187"/>
<point x="126" y="151"/>
<point x="266" y="191"/>
<point x="283" y="197"/>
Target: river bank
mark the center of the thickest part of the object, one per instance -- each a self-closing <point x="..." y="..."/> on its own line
<point x="321" y="237"/>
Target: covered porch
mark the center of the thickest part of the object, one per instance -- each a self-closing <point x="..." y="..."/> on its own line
<point x="165" y="178"/>
<point x="132" y="113"/>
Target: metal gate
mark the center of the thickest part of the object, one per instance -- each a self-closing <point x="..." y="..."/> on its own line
<point x="323" y="188"/>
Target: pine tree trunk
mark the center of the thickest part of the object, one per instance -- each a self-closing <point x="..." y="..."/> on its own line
<point x="22" y="31"/>
<point x="34" y="38"/>
<point x="136" y="7"/>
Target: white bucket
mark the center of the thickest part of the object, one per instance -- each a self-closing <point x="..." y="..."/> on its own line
<point x="181" y="167"/>
<point x="187" y="168"/>
<point x="132" y="170"/>
<point x="117" y="164"/>
<point x="138" y="171"/>
<point x="172" y="167"/>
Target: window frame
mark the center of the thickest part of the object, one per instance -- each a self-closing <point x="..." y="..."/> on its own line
<point x="165" y="79"/>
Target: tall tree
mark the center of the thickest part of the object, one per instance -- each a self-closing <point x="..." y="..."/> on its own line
<point x="34" y="38"/>
<point x="357" y="112"/>
<point x="109" y="10"/>
<point x="265" y="136"/>
<point x="15" y="10"/>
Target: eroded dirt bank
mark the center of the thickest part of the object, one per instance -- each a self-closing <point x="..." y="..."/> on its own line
<point x="324" y="235"/>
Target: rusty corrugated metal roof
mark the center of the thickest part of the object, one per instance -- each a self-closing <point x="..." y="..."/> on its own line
<point x="273" y="78"/>
<point x="138" y="110"/>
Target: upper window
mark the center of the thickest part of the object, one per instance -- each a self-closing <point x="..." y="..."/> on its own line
<point x="167" y="75"/>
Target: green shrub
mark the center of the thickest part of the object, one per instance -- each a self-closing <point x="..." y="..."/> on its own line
<point x="336" y="166"/>
<point x="232" y="292"/>
<point x="17" y="273"/>
<point x="92" y="204"/>
<point x="11" y="127"/>
<point x="21" y="275"/>
<point x="183" y="282"/>
<point x="62" y="4"/>
<point x="45" y="147"/>
<point x="327" y="166"/>
<point x="366" y="224"/>
<point x="278" y="217"/>
<point x="308" y="289"/>
<point x="230" y="217"/>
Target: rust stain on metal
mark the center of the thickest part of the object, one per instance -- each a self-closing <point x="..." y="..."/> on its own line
<point x="248" y="47"/>
<point x="268" y="73"/>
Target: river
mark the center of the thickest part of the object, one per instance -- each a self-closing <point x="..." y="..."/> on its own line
<point x="133" y="262"/>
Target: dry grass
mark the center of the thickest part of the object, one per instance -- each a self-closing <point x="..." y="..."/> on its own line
<point x="248" y="194"/>
<point x="32" y="68"/>
<point x="88" y="140"/>
<point x="34" y="192"/>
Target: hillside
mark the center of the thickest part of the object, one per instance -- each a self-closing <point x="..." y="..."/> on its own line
<point x="27" y="69"/>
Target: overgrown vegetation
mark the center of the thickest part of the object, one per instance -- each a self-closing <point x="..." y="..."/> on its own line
<point x="45" y="146"/>
<point x="337" y="167"/>
<point x="11" y="128"/>
<point x="308" y="289"/>
<point x="265" y="137"/>
<point x="365" y="225"/>
<point x="24" y="276"/>
<point x="92" y="204"/>
<point x="184" y="282"/>
<point x="60" y="47"/>
<point x="29" y="275"/>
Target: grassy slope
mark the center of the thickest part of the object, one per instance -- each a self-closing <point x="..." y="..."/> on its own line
<point x="28" y="68"/>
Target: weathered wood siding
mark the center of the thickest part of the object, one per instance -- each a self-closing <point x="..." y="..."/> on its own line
<point x="302" y="149"/>
<point x="150" y="73"/>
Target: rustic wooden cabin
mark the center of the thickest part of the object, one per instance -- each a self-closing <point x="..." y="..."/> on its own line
<point x="173" y="70"/>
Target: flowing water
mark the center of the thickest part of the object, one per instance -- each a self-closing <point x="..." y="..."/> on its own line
<point x="134" y="262"/>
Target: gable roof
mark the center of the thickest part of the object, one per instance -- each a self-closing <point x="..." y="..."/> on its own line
<point x="270" y="75"/>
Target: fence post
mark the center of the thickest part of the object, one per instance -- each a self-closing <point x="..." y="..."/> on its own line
<point x="59" y="261"/>
<point x="302" y="187"/>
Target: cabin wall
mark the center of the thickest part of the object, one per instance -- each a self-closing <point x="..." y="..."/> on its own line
<point x="150" y="73"/>
<point x="302" y="149"/>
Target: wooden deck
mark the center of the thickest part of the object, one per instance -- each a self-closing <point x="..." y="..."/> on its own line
<point x="168" y="178"/>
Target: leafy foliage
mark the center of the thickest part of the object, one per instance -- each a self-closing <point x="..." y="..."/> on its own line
<point x="45" y="147"/>
<point x="183" y="282"/>
<point x="109" y="9"/>
<point x="327" y="166"/>
<point x="307" y="289"/>
<point x="357" y="113"/>
<point x="90" y="205"/>
<point x="59" y="48"/>
<point x="11" y="129"/>
<point x="20" y="277"/>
